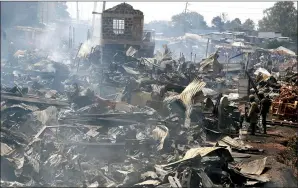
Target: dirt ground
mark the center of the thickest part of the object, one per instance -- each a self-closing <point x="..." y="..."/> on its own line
<point x="281" y="165"/>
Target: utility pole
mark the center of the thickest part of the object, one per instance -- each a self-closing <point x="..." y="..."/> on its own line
<point x="47" y="3"/>
<point x="73" y="36"/>
<point x="78" y="16"/>
<point x="69" y="38"/>
<point x="93" y="18"/>
<point x="104" y="6"/>
<point x="42" y="4"/>
<point x="185" y="17"/>
<point x="101" y="44"/>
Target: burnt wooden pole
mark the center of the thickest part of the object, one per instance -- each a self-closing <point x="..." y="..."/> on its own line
<point x="69" y="37"/>
<point x="73" y="36"/>
<point x="185" y="17"/>
<point x="78" y="15"/>
<point x="207" y="47"/>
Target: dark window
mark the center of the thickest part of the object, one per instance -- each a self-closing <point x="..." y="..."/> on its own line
<point x="118" y="26"/>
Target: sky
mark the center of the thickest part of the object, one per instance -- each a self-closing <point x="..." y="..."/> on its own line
<point x="165" y="10"/>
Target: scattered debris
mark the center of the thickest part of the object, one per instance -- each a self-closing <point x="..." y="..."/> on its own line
<point x="135" y="120"/>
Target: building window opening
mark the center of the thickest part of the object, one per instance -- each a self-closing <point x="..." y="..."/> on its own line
<point x="118" y="26"/>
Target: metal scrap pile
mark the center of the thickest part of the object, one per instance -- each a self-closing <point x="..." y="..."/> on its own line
<point x="284" y="94"/>
<point x="155" y="136"/>
<point x="286" y="104"/>
<point x="288" y="94"/>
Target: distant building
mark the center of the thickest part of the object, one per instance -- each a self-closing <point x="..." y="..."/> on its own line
<point x="269" y="35"/>
<point x="253" y="39"/>
<point x="123" y="24"/>
<point x="217" y="36"/>
<point x="202" y="31"/>
<point x="283" y="39"/>
<point x="122" y="27"/>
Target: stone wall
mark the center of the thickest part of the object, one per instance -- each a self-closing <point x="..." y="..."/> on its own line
<point x="133" y="23"/>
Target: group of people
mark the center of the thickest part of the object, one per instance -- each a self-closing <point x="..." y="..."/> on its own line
<point x="256" y="110"/>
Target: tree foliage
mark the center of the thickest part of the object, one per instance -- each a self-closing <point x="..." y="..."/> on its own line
<point x="275" y="44"/>
<point x="234" y="25"/>
<point x="189" y="21"/>
<point x="26" y="13"/>
<point x="282" y="17"/>
<point x="248" y="25"/>
<point x="218" y="23"/>
<point x="222" y="24"/>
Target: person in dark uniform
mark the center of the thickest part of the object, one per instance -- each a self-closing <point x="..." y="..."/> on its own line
<point x="131" y="85"/>
<point x="265" y="104"/>
<point x="215" y="109"/>
<point x="11" y="52"/>
<point x="253" y="114"/>
<point x="166" y="49"/>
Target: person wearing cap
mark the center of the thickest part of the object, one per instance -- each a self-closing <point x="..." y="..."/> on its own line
<point x="253" y="114"/>
<point x="265" y="104"/>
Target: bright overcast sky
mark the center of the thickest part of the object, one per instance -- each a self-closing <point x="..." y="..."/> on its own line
<point x="165" y="10"/>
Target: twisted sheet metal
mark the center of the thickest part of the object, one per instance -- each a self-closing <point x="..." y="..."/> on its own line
<point x="188" y="93"/>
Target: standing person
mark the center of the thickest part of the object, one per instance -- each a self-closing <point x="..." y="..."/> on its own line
<point x="215" y="109"/>
<point x="182" y="59"/>
<point x="265" y="106"/>
<point x="166" y="49"/>
<point x="253" y="114"/>
<point x="11" y="52"/>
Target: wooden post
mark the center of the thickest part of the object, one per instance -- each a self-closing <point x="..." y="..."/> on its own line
<point x="195" y="58"/>
<point x="207" y="48"/>
<point x="69" y="38"/>
<point x="185" y="17"/>
<point x="78" y="16"/>
<point x="73" y="36"/>
<point x="101" y="46"/>
<point x="78" y="65"/>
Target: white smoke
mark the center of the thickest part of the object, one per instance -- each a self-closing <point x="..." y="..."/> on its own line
<point x="86" y="48"/>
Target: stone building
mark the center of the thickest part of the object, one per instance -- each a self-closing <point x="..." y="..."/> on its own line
<point x="123" y="24"/>
<point x="122" y="27"/>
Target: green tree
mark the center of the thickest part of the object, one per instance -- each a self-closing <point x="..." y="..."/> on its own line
<point x="158" y="25"/>
<point x="234" y="25"/>
<point x="189" y="21"/>
<point x="248" y="25"/>
<point x="218" y="23"/>
<point x="281" y="17"/>
<point x="275" y="44"/>
<point x="237" y="21"/>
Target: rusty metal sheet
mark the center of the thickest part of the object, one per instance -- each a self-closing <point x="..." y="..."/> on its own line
<point x="254" y="167"/>
<point x="149" y="182"/>
<point x="174" y="182"/>
<point x="160" y="133"/>
<point x="93" y="144"/>
<point x="34" y="100"/>
<point x="260" y="178"/>
<point x="232" y="143"/>
<point x="206" y="181"/>
<point x="5" y="149"/>
<point x="199" y="152"/>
